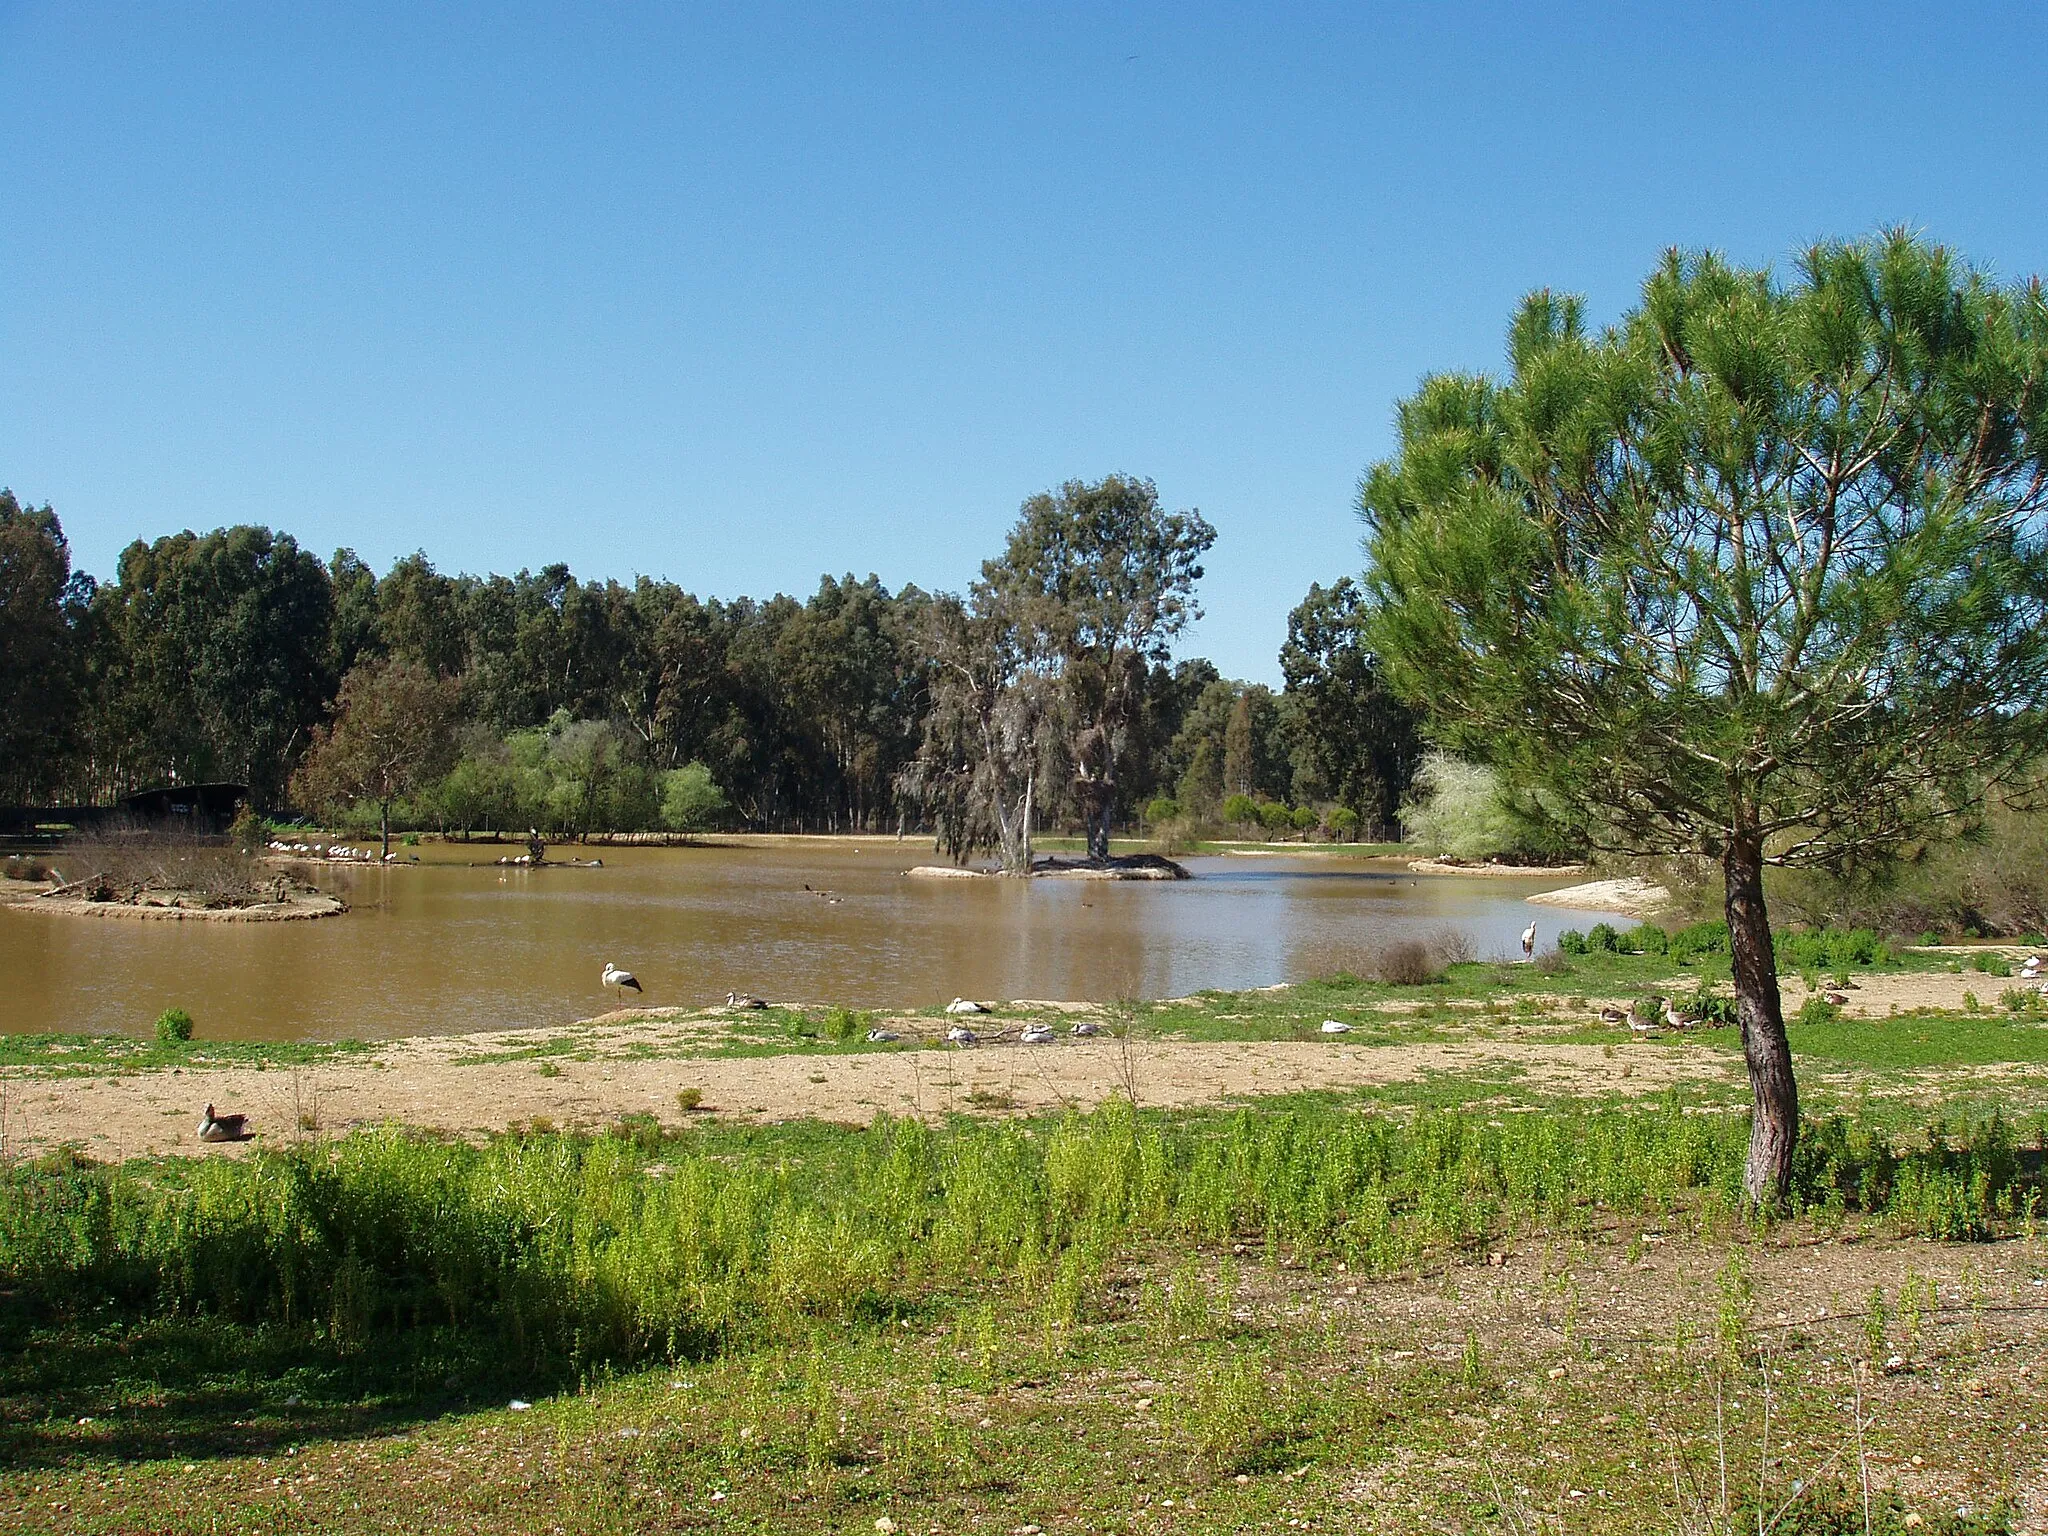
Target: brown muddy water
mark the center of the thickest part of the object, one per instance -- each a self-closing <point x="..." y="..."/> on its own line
<point x="446" y="946"/>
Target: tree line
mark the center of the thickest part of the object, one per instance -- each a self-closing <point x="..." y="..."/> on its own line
<point x="468" y="701"/>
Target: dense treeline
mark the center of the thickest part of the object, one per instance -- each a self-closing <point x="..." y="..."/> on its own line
<point x="540" y="698"/>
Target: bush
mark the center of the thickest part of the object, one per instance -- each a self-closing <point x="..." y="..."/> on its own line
<point x="1571" y="942"/>
<point x="1405" y="963"/>
<point x="1343" y="823"/>
<point x="1275" y="817"/>
<point x="1303" y="819"/>
<point x="1990" y="963"/>
<point x="1161" y="808"/>
<point x="1460" y="809"/>
<point x="690" y="801"/>
<point x="1699" y="939"/>
<point x="1241" y="811"/>
<point x="2022" y="1000"/>
<point x="1818" y="1010"/>
<point x="173" y="1027"/>
<point x="1647" y="939"/>
<point x="688" y="1099"/>
<point x="1603" y="939"/>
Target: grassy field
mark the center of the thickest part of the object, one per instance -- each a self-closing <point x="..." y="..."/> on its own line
<point x="1461" y="1303"/>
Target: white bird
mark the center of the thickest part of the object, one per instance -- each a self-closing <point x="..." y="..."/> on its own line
<point x="960" y="1034"/>
<point x="1036" y="1034"/>
<point x="2030" y="968"/>
<point x="1529" y="941"/>
<point x="962" y="1005"/>
<point x="1336" y="1027"/>
<point x="214" y="1127"/>
<point x="618" y="980"/>
<point x="743" y="1000"/>
<point x="882" y="1036"/>
<point x="1087" y="1027"/>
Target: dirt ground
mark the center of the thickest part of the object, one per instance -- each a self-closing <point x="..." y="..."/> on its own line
<point x="630" y="1062"/>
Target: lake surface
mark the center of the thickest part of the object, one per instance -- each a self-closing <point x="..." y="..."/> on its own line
<point x="447" y="946"/>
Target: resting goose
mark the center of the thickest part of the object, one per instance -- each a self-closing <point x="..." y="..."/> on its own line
<point x="882" y="1036"/>
<point x="1087" y="1027"/>
<point x="743" y="1000"/>
<point x="214" y="1127"/>
<point x="1611" y="1015"/>
<point x="1036" y="1034"/>
<point x="960" y="1034"/>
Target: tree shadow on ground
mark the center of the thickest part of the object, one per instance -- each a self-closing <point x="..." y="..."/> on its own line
<point x="104" y="1387"/>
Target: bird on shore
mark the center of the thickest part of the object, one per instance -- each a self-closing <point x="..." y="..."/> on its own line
<point x="882" y="1036"/>
<point x="1336" y="1027"/>
<point x="960" y="1034"/>
<point x="618" y="981"/>
<point x="1529" y="941"/>
<point x="1612" y="1015"/>
<point x="1839" y="999"/>
<point x="964" y="1005"/>
<point x="1036" y="1034"/>
<point x="1678" y="1019"/>
<point x="1086" y="1027"/>
<point x="213" y="1127"/>
<point x="743" y="1000"/>
<point x="2030" y="968"/>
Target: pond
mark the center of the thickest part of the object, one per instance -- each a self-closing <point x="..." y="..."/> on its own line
<point x="454" y="943"/>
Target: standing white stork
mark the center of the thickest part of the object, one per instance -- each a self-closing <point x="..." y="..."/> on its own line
<point x="618" y="980"/>
<point x="1529" y="941"/>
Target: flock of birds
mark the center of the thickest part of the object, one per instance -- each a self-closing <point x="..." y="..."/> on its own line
<point x="342" y="853"/>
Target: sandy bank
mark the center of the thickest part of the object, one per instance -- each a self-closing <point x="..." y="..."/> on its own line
<point x="1630" y="894"/>
<point x="1498" y="871"/>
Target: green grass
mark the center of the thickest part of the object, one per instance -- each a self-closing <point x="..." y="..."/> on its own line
<point x="97" y="1055"/>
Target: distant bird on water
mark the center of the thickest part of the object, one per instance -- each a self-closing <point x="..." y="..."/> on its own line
<point x="1529" y="941"/>
<point x="214" y="1127"/>
<point x="618" y="980"/>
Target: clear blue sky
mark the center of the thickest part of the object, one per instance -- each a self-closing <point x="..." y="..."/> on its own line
<point x="737" y="297"/>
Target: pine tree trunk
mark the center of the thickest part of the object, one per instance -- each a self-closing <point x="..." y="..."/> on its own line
<point x="1774" y="1126"/>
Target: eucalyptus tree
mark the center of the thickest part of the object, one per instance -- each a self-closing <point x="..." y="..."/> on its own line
<point x="42" y="604"/>
<point x="1097" y="579"/>
<point x="1362" y="740"/>
<point x="1758" y="574"/>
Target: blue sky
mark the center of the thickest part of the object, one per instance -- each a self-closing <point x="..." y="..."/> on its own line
<point x="738" y="297"/>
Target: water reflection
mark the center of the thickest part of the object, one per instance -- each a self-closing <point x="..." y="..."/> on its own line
<point x="451" y="946"/>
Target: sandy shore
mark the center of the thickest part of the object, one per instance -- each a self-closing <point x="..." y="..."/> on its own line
<point x="590" y="1073"/>
<point x="1631" y="894"/>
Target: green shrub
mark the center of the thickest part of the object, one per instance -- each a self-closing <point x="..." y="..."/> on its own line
<point x="1647" y="939"/>
<point x="1691" y="942"/>
<point x="2022" y="1000"/>
<point x="1602" y="939"/>
<point x="1241" y="811"/>
<point x="1161" y="808"/>
<point x="1343" y="822"/>
<point x="845" y="1025"/>
<point x="690" y="800"/>
<point x="1818" y="1010"/>
<point x="1303" y="819"/>
<point x="173" y="1027"/>
<point x="1571" y="942"/>
<point x="1991" y="963"/>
